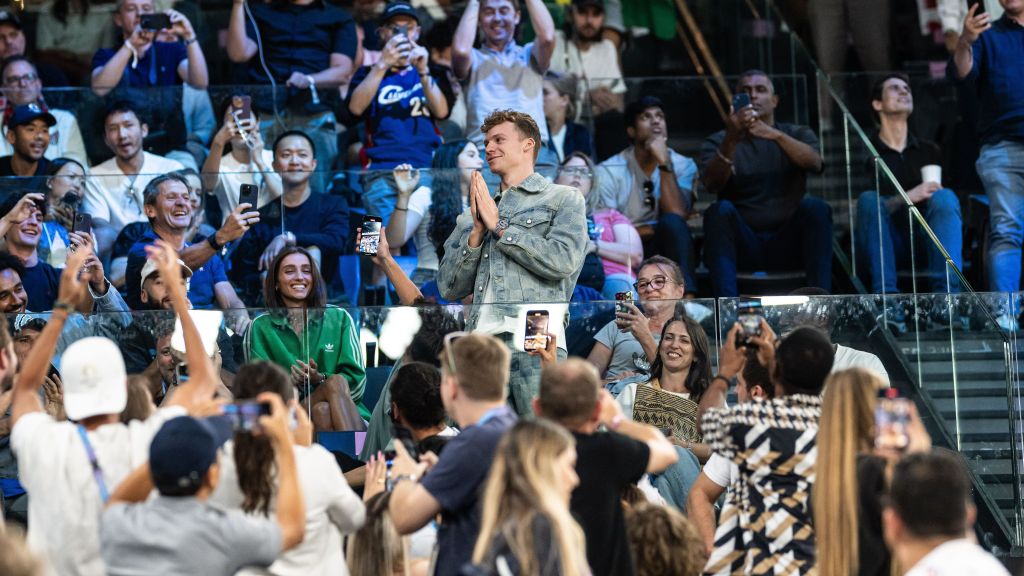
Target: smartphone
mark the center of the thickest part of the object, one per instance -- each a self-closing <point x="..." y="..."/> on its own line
<point x="401" y="30"/>
<point x="154" y="22"/>
<point x="370" y="235"/>
<point x="892" y="417"/>
<point x="593" y="230"/>
<point x="245" y="415"/>
<point x="181" y="370"/>
<point x="667" y="432"/>
<point x="247" y="194"/>
<point x="71" y="200"/>
<point x="749" y="314"/>
<point x="536" y="330"/>
<point x="404" y="435"/>
<point x="82" y="223"/>
<point x="621" y="299"/>
<point x="740" y="101"/>
<point x="981" y="7"/>
<point x="241" y="108"/>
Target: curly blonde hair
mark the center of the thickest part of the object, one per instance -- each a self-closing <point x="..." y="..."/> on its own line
<point x="663" y="541"/>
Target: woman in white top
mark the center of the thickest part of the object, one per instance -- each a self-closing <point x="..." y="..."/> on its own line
<point x="247" y="482"/>
<point x="238" y="156"/>
<point x="430" y="213"/>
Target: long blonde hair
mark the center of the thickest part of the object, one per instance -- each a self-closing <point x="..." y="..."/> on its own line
<point x="376" y="549"/>
<point x="521" y="486"/>
<point x="846" y="430"/>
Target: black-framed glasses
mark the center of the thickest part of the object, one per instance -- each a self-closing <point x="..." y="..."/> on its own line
<point x="649" y="194"/>
<point x="450" y="339"/>
<point x="18" y="80"/>
<point x="576" y="171"/>
<point x="656" y="283"/>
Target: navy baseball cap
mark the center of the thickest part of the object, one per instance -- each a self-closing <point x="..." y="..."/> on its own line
<point x="586" y="3"/>
<point x="183" y="451"/>
<point x="8" y="16"/>
<point x="399" y="9"/>
<point x="27" y="113"/>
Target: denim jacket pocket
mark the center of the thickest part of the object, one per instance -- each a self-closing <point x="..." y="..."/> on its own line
<point x="532" y="217"/>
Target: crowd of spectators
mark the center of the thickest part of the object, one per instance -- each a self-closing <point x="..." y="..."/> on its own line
<point x="175" y="338"/>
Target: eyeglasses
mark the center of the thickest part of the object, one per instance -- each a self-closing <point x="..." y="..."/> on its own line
<point x="649" y="194"/>
<point x="450" y="339"/>
<point x="656" y="283"/>
<point x="576" y="171"/>
<point x="18" y="80"/>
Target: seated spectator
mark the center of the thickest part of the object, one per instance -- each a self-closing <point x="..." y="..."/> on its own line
<point x="664" y="541"/>
<point x="238" y="156"/>
<point x="142" y="61"/>
<point x="565" y="135"/>
<point x="501" y="74"/>
<point x="316" y="343"/>
<point x="613" y="239"/>
<point x="65" y="188"/>
<point x="428" y="213"/>
<point x="184" y="467"/>
<point x="13" y="43"/>
<point x="583" y="51"/>
<point x="474" y="388"/>
<point x="416" y="406"/>
<point x="653" y="185"/>
<point x="758" y="169"/>
<point x="625" y="346"/>
<point x="22" y="87"/>
<point x="607" y="462"/>
<point x="28" y="133"/>
<point x="248" y="480"/>
<point x="886" y="210"/>
<point x="199" y="228"/>
<point x="789" y="422"/>
<point x="850" y="483"/>
<point x="310" y="50"/>
<point x="60" y="38"/>
<point x="66" y="494"/>
<point x="113" y="193"/>
<point x="169" y="209"/>
<point x="317" y="222"/>
<point x="926" y="539"/>
<point x="526" y="525"/>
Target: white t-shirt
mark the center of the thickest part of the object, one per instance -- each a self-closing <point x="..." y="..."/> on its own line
<point x="332" y="510"/>
<point x="596" y="67"/>
<point x="958" y="557"/>
<point x="64" y="504"/>
<point x="721" y="470"/>
<point x="850" y="358"/>
<point x="233" y="174"/>
<point x="112" y="196"/>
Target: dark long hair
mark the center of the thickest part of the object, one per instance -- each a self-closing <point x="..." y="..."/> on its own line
<point x="445" y="193"/>
<point x="699" y="376"/>
<point x="317" y="297"/>
<point x="254" y="456"/>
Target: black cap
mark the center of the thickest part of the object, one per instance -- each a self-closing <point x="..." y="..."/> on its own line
<point x="399" y="9"/>
<point x="183" y="450"/>
<point x="28" y="112"/>
<point x="587" y="3"/>
<point x="8" y="16"/>
<point x="635" y="108"/>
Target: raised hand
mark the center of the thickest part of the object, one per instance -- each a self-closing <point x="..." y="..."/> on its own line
<point x="975" y="24"/>
<point x="406" y="178"/>
<point x="72" y="288"/>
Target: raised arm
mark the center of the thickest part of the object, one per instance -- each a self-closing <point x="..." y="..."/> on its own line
<point x="974" y="26"/>
<point x="193" y="70"/>
<point x="240" y="47"/>
<point x="462" y="42"/>
<point x="408" y="293"/>
<point x="544" y="28"/>
<point x="136" y="487"/>
<point x="663" y="454"/>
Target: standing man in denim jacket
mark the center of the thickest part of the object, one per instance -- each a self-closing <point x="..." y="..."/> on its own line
<point x="524" y="246"/>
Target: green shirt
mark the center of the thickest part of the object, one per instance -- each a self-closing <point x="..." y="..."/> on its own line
<point x="330" y="340"/>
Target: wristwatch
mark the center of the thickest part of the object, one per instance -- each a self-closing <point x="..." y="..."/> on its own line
<point x="212" y="241"/>
<point x="502" y="225"/>
<point x="666" y="167"/>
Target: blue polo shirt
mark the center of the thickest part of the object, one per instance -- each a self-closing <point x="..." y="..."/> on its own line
<point x="159" y="67"/>
<point x="999" y="73"/>
<point x="200" y="287"/>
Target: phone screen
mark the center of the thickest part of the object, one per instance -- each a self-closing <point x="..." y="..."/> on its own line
<point x="749" y="314"/>
<point x="621" y="298"/>
<point x="740" y="101"/>
<point x="536" y="330"/>
<point x="892" y="416"/>
<point x="370" y="235"/>
<point x="245" y="415"/>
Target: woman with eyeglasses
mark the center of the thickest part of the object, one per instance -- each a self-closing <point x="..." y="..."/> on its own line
<point x="566" y="136"/>
<point x="627" y="346"/>
<point x="614" y="242"/>
<point x="65" y="188"/>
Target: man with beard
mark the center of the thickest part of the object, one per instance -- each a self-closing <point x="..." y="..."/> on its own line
<point x="317" y="222"/>
<point x="113" y="195"/>
<point x="28" y="133"/>
<point x="21" y="78"/>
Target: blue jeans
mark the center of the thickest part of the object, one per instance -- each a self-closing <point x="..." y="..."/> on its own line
<point x="882" y="253"/>
<point x="1001" y="169"/>
<point x="730" y="244"/>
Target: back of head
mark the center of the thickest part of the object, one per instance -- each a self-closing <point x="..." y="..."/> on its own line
<point x="481" y="367"/>
<point x="756" y="374"/>
<point x="254" y="455"/>
<point x="920" y="482"/>
<point x="182" y="452"/>
<point x="376" y="548"/>
<point x="663" y="541"/>
<point x="416" y="391"/>
<point x="803" y="360"/>
<point x="569" y="392"/>
<point x="94" y="378"/>
<point x="427" y="344"/>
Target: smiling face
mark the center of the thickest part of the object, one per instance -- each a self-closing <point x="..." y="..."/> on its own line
<point x="650" y="123"/>
<point x="30" y="140"/>
<point x="294" y="160"/>
<point x="172" y="209"/>
<point x="506" y="148"/>
<point x="21" y="83"/>
<point x="155" y="292"/>
<point x="676" y="349"/>
<point x="469" y="161"/>
<point x="123" y="133"/>
<point x="12" y="292"/>
<point x="25" y="235"/>
<point x="166" y="362"/>
<point x="655" y="282"/>
<point x="896" y="98"/>
<point x="577" y="174"/>
<point x="498" y="21"/>
<point x="295" y="279"/>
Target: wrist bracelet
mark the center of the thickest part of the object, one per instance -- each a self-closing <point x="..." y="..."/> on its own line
<point x="722" y="156"/>
<point x="401" y="477"/>
<point x="212" y="241"/>
<point x="192" y="41"/>
<point x="400" y="208"/>
<point x="63" y="305"/>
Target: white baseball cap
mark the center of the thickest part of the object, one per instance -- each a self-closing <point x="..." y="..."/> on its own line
<point x="150" y="267"/>
<point x="94" y="378"/>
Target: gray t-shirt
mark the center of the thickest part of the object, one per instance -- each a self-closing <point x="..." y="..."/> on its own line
<point x="626" y="349"/>
<point x="183" y="536"/>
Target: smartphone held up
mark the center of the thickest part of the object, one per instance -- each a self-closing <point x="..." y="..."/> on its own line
<point x="536" y="330"/>
<point x="370" y="235"/>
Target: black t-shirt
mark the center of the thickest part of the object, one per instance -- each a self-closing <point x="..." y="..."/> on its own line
<point x="41" y="282"/>
<point x="906" y="166"/>
<point x="766" y="186"/>
<point x="7" y="170"/>
<point x="606" y="463"/>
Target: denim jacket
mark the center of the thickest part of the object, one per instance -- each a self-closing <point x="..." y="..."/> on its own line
<point x="537" y="259"/>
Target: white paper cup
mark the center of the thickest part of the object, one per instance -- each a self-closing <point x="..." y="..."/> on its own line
<point x="931" y="173"/>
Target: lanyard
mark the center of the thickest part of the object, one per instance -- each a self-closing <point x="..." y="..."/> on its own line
<point x="97" y="472"/>
<point x="489" y="414"/>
